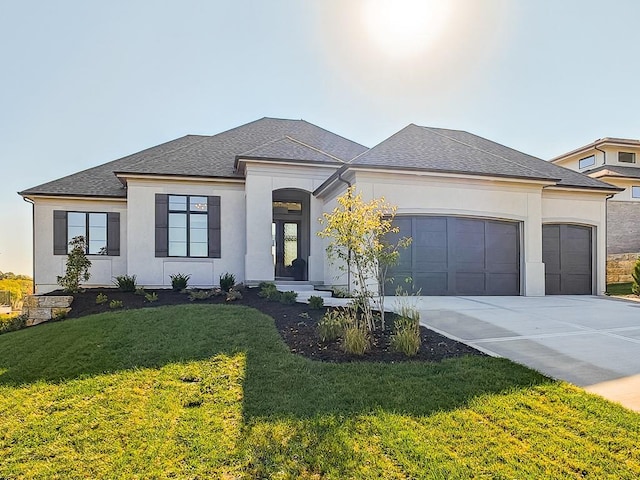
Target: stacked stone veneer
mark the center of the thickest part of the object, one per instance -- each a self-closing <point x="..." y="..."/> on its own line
<point x="620" y="266"/>
<point x="41" y="309"/>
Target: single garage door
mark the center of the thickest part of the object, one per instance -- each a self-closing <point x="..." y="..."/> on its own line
<point x="459" y="256"/>
<point x="568" y="256"/>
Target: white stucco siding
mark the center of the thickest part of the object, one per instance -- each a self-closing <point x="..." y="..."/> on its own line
<point x="581" y="208"/>
<point x="262" y="179"/>
<point x="48" y="266"/>
<point x="152" y="271"/>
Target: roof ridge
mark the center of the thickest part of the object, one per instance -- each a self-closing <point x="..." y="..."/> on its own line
<point x="204" y="137"/>
<point x="337" y="135"/>
<point x="432" y="130"/>
<point x="311" y="147"/>
<point x="350" y="162"/>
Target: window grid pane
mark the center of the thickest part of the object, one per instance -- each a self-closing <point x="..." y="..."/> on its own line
<point x="178" y="202"/>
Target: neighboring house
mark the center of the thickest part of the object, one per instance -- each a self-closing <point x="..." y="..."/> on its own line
<point x="485" y="219"/>
<point x="615" y="161"/>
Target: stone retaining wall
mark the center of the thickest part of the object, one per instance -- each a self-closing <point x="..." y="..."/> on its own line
<point x="41" y="309"/>
<point x="619" y="267"/>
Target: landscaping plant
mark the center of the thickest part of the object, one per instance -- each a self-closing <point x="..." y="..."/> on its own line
<point x="358" y="234"/>
<point x="78" y="266"/>
<point x="113" y="304"/>
<point x="179" y="281"/>
<point x="315" y="302"/>
<point x="331" y="326"/>
<point x="151" y="297"/>
<point x="635" y="287"/>
<point x="101" y="298"/>
<point x="233" y="295"/>
<point x="288" y="298"/>
<point x="126" y="283"/>
<point x="199" y="294"/>
<point x="227" y="281"/>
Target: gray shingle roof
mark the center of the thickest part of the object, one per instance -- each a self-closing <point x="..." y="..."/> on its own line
<point x="617" y="171"/>
<point x="205" y="156"/>
<point x="288" y="148"/>
<point x="443" y="150"/>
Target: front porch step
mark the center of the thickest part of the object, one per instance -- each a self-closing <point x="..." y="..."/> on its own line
<point x="304" y="291"/>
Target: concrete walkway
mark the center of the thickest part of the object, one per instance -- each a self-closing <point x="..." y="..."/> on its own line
<point x="593" y="342"/>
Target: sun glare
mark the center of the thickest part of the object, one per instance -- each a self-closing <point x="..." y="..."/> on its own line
<point x="405" y="28"/>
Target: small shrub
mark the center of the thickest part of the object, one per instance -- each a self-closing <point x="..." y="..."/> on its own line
<point x="199" y="294"/>
<point x="151" y="297"/>
<point x="101" y="298"/>
<point x="11" y="323"/>
<point x="113" y="304"/>
<point x="355" y="340"/>
<point x="227" y="281"/>
<point x="60" y="315"/>
<point x="140" y="291"/>
<point x="635" y="273"/>
<point x="126" y="283"/>
<point x="179" y="281"/>
<point x="266" y="289"/>
<point x="288" y="298"/>
<point x="315" y="302"/>
<point x="331" y="326"/>
<point x="233" y="294"/>
<point x="338" y="292"/>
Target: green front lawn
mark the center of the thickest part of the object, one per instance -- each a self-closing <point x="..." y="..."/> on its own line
<point x="210" y="391"/>
<point x="619" y="289"/>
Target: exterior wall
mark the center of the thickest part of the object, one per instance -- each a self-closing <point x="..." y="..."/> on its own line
<point x="261" y="181"/>
<point x="623" y="227"/>
<point x="475" y="197"/>
<point x="154" y="272"/>
<point x="48" y="267"/>
<point x="620" y="266"/>
<point x="583" y="208"/>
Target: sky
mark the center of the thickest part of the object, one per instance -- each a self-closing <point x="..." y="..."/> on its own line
<point x="83" y="83"/>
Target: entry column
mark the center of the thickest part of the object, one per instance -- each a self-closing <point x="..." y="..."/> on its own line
<point x="259" y="207"/>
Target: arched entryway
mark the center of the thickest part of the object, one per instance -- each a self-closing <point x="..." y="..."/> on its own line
<point x="290" y="234"/>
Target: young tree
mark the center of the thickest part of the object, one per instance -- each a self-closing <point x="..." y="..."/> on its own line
<point x="357" y="231"/>
<point x="78" y="266"/>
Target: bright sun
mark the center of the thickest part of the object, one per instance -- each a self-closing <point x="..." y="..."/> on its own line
<point x="405" y="28"/>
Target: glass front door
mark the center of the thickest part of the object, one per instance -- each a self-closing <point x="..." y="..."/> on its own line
<point x="285" y="246"/>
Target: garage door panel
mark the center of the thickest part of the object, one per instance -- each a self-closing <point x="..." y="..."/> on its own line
<point x="431" y="283"/>
<point x="503" y="284"/>
<point x="470" y="283"/>
<point x="567" y="254"/>
<point x="462" y="256"/>
<point x="577" y="284"/>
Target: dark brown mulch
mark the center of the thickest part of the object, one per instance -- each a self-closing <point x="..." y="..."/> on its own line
<point x="296" y="324"/>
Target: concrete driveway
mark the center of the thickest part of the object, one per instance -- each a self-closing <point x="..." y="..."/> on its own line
<point x="593" y="342"/>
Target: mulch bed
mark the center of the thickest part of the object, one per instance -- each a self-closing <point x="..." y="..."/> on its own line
<point x="296" y="324"/>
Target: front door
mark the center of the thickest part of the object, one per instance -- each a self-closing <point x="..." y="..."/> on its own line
<point x="286" y="246"/>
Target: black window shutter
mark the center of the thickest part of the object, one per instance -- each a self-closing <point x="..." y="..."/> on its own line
<point x="162" y="228"/>
<point x="113" y="233"/>
<point x="215" y="250"/>
<point x="59" y="232"/>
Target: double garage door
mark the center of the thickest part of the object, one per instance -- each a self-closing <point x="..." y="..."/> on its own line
<point x="474" y="256"/>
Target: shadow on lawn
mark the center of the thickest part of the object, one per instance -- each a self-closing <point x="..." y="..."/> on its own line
<point x="276" y="384"/>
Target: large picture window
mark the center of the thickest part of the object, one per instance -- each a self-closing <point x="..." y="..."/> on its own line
<point x="101" y="232"/>
<point x="188" y="226"/>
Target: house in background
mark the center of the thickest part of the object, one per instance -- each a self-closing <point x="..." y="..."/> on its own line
<point x="485" y="219"/>
<point x="615" y="161"/>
